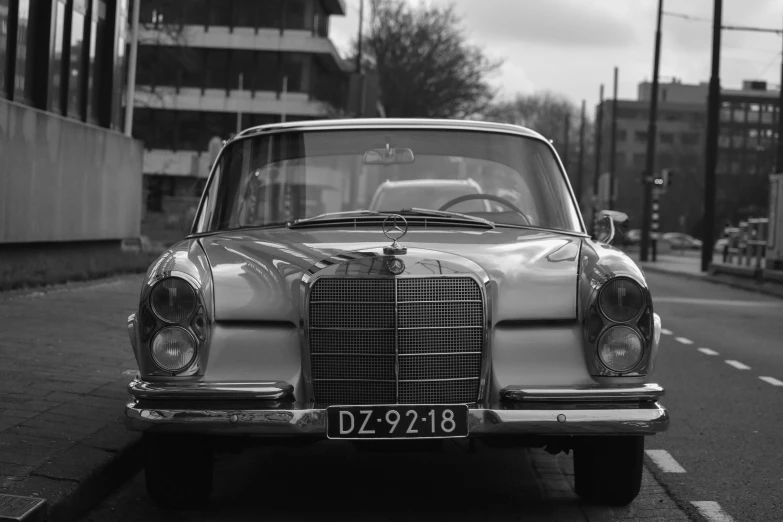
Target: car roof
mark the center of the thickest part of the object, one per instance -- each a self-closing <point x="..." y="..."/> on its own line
<point x="390" y="123"/>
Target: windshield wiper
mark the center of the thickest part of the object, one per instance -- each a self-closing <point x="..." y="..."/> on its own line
<point x="338" y="215"/>
<point x="442" y="213"/>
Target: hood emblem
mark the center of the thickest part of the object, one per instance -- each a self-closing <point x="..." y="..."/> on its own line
<point x="395" y="227"/>
<point x="395" y="266"/>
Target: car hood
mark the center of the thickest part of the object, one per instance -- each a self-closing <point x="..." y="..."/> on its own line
<point x="256" y="273"/>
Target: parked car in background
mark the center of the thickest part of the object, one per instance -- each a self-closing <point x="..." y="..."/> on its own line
<point x="681" y="241"/>
<point x="428" y="193"/>
<point x="375" y="327"/>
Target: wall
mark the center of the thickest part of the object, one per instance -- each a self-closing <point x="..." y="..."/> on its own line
<point x="62" y="180"/>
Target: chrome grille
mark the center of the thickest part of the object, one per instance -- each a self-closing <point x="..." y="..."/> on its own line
<point x="404" y="340"/>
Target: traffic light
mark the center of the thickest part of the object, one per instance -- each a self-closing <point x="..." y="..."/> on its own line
<point x="668" y="177"/>
<point x="658" y="181"/>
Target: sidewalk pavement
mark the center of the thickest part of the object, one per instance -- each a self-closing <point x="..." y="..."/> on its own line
<point x="688" y="265"/>
<point x="65" y="360"/>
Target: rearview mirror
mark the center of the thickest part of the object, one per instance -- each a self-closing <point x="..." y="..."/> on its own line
<point x="388" y="156"/>
<point x="608" y="223"/>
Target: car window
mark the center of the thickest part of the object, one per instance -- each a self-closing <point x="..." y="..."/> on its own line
<point x="281" y="177"/>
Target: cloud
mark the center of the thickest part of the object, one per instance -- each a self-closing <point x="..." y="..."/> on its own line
<point x="559" y="23"/>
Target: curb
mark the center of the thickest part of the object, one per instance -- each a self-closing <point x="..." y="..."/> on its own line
<point x="742" y="285"/>
<point x="40" y="291"/>
<point x="77" y="480"/>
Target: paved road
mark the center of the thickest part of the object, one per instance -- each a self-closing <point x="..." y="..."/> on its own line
<point x="723" y="451"/>
<point x="727" y="423"/>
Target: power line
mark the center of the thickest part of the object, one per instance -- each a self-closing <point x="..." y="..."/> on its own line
<point x="688" y="17"/>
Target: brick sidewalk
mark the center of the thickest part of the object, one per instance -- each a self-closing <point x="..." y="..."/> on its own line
<point x="62" y="390"/>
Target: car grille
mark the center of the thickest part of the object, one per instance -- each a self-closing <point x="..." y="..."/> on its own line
<point x="403" y="340"/>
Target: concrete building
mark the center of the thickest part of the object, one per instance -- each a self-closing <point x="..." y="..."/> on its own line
<point x="747" y="152"/>
<point x="67" y="176"/>
<point x="210" y="67"/>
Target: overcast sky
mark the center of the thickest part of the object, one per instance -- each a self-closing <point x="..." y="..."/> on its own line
<point x="572" y="46"/>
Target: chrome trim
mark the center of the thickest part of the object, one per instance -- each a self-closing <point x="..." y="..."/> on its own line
<point x="647" y="419"/>
<point x="210" y="390"/>
<point x="132" y="332"/>
<point x="327" y="267"/>
<point x="644" y="392"/>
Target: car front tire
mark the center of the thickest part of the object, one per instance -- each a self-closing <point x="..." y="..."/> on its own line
<point x="178" y="470"/>
<point x="608" y="470"/>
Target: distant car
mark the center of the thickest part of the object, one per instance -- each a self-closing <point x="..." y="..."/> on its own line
<point x="720" y="244"/>
<point x="428" y="193"/>
<point x="680" y="241"/>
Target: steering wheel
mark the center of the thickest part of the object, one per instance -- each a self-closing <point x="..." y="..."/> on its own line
<point x="490" y="197"/>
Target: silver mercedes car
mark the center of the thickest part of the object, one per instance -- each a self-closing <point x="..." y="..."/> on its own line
<point x="294" y="313"/>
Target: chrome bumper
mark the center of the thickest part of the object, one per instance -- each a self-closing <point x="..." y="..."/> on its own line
<point x="260" y="410"/>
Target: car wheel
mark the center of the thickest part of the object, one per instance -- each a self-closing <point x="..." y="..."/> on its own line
<point x="178" y="470"/>
<point x="608" y="470"/>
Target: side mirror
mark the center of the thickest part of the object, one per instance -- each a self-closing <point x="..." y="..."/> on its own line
<point x="608" y="223"/>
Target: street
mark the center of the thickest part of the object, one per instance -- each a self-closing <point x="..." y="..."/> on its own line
<point x="723" y="445"/>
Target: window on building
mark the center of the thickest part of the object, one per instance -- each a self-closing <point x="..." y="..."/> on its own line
<point x="118" y="47"/>
<point x="4" y="45"/>
<point x="56" y="57"/>
<point x="188" y="129"/>
<point x="218" y="13"/>
<point x="241" y="63"/>
<point x="77" y="67"/>
<point x="296" y="68"/>
<point x="295" y="15"/>
<point x="640" y="137"/>
<point x="667" y="138"/>
<point x="269" y="14"/>
<point x="94" y="67"/>
<point x="267" y="67"/>
<point x="689" y="139"/>
<point x="244" y="12"/>
<point x="25" y="51"/>
<point x="216" y="68"/>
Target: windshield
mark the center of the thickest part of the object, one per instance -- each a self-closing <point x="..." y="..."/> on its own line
<point x="278" y="178"/>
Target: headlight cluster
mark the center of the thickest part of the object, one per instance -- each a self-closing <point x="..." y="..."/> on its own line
<point x="621" y="347"/>
<point x="174" y="301"/>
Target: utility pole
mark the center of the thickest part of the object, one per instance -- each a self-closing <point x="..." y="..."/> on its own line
<point x="581" y="167"/>
<point x="359" y="40"/>
<point x="652" y="137"/>
<point x="779" y="168"/>
<point x="613" y="147"/>
<point x="567" y="127"/>
<point x="713" y="122"/>
<point x="599" y="122"/>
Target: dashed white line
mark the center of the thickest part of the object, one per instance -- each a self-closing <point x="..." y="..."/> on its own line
<point x="665" y="461"/>
<point x="707" y="351"/>
<point x="683" y="340"/>
<point x="771" y="380"/>
<point x="712" y="511"/>
<point x="738" y="365"/>
<point x="664" y="331"/>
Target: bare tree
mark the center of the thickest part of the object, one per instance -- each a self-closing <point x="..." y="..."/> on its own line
<point x="426" y="67"/>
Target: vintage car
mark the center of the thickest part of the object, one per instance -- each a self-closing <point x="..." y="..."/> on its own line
<point x="396" y="328"/>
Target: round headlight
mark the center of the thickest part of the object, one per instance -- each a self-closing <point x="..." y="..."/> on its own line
<point x="173" y="299"/>
<point x="173" y="348"/>
<point x="621" y="300"/>
<point x="620" y="348"/>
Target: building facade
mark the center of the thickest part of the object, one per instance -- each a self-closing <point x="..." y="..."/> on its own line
<point x="66" y="173"/>
<point x="747" y="152"/>
<point x="207" y="68"/>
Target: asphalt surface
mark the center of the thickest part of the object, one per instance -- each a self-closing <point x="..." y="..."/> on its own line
<point x="727" y="424"/>
<point x="721" y="460"/>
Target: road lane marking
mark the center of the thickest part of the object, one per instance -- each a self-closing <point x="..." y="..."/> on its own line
<point x="738" y="365"/>
<point x="712" y="511"/>
<point x="771" y="380"/>
<point x="664" y="331"/>
<point x="707" y="351"/>
<point x="683" y="340"/>
<point x="665" y="461"/>
<point x="715" y="302"/>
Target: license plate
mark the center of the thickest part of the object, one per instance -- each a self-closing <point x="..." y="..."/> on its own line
<point x="396" y="422"/>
